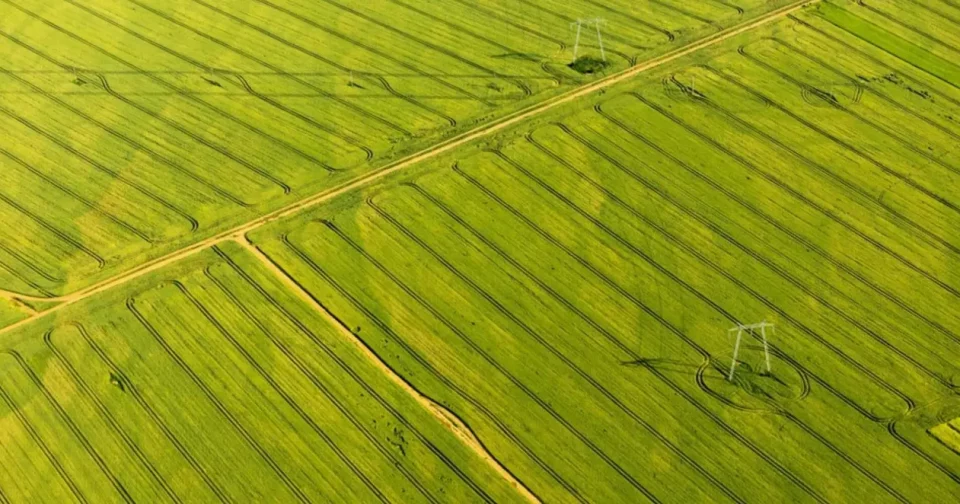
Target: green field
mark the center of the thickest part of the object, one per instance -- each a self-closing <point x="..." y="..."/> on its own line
<point x="136" y="128"/>
<point x="541" y="313"/>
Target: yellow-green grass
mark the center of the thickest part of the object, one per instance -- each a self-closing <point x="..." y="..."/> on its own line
<point x="880" y="29"/>
<point x="588" y="267"/>
<point x="566" y="288"/>
<point x="10" y="312"/>
<point x="135" y="128"/>
<point x="948" y="433"/>
<point x="209" y="381"/>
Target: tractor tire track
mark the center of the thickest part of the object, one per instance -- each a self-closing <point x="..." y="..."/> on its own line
<point x="44" y="293"/>
<point x="899" y="138"/>
<point x="737" y="8"/>
<point x="612" y="37"/>
<point x="290" y="401"/>
<point x="678" y="10"/>
<point x="224" y="412"/>
<point x="892" y="429"/>
<point x="302" y="367"/>
<point x="32" y="266"/>
<point x="936" y="12"/>
<point x="38" y="440"/>
<point x="108" y="417"/>
<point x="420" y="41"/>
<point x="313" y="54"/>
<point x="893" y="19"/>
<point x="62" y="235"/>
<point x="78" y="197"/>
<point x="492" y="14"/>
<point x="503" y="310"/>
<point x="862" y="54"/>
<point x="413" y="101"/>
<point x="828" y="444"/>
<point x="65" y="418"/>
<point x="524" y="87"/>
<point x="180" y="91"/>
<point x="152" y="414"/>
<point x="504" y="429"/>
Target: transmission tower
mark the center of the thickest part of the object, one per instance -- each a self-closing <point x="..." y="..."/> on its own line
<point x="762" y="326"/>
<point x="595" y="22"/>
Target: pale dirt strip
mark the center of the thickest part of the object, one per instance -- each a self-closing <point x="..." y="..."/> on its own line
<point x="369" y="177"/>
<point x="446" y="418"/>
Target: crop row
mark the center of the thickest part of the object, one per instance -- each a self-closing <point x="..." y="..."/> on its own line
<point x="215" y="386"/>
<point x="171" y="138"/>
<point x="587" y="273"/>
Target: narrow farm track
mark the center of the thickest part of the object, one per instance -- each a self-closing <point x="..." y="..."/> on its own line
<point x="302" y="366"/>
<point x="375" y="175"/>
<point x="529" y="301"/>
<point x="446" y="418"/>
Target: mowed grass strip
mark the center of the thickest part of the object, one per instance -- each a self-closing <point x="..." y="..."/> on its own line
<point x="212" y="383"/>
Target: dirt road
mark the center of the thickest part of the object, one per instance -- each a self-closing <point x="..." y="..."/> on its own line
<point x="372" y="176"/>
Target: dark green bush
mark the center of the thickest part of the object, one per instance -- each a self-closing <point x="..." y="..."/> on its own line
<point x="588" y="65"/>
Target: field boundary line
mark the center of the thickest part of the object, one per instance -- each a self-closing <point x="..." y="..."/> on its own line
<point x="447" y="418"/>
<point x="379" y="173"/>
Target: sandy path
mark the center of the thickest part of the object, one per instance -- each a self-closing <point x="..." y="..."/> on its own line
<point x="372" y="176"/>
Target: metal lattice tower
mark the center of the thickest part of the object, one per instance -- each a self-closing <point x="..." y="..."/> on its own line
<point x="595" y="22"/>
<point x="762" y="326"/>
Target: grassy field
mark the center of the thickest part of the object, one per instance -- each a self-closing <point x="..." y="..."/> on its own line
<point x="136" y="128"/>
<point x="542" y="314"/>
<point x="210" y="382"/>
<point x="587" y="270"/>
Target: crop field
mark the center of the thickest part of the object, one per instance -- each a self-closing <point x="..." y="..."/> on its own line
<point x="505" y="280"/>
<point x="210" y="383"/>
<point x="948" y="433"/>
<point x="137" y="127"/>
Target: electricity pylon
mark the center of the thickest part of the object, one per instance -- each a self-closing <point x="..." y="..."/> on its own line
<point x="596" y="22"/>
<point x="750" y="328"/>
